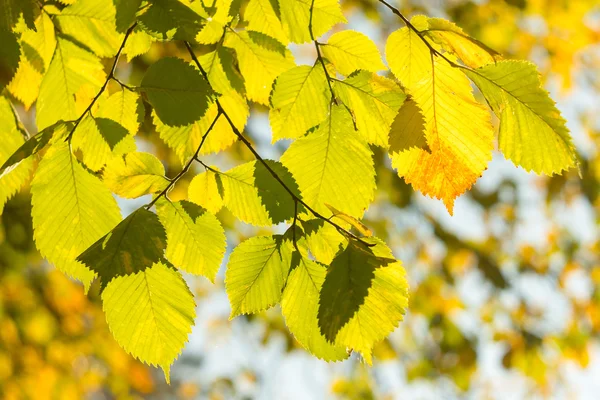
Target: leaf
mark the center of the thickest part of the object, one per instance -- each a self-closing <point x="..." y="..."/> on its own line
<point x="125" y="11"/>
<point x="350" y="51"/>
<point x="363" y="298"/>
<point x="300" y="101"/>
<point x="259" y="63"/>
<point x="408" y="129"/>
<point x="323" y="240"/>
<point x="11" y="137"/>
<point x="35" y="144"/>
<point x="172" y="20"/>
<point x="374" y="102"/>
<point x="295" y="16"/>
<point x="457" y="128"/>
<point x="184" y="140"/>
<point x="256" y="273"/>
<point x="252" y="194"/>
<point x="205" y="191"/>
<point x="333" y="165"/>
<point x="134" y="175"/>
<point x="532" y="134"/>
<point x="453" y="39"/>
<point x="216" y="24"/>
<point x="195" y="237"/>
<point x="263" y="17"/>
<point x="71" y="70"/>
<point x="138" y="43"/>
<point x="134" y="245"/>
<point x="299" y="306"/>
<point x="110" y="133"/>
<point x="71" y="209"/>
<point x="177" y="91"/>
<point x="38" y="47"/>
<point x="10" y="55"/>
<point x="92" y="23"/>
<point x="222" y="73"/>
<point x="150" y="313"/>
<point x="359" y="226"/>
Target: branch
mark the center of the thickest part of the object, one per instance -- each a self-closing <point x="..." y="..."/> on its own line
<point x="187" y="166"/>
<point x="110" y="76"/>
<point x="319" y="56"/>
<point x="410" y="26"/>
<point x="237" y="132"/>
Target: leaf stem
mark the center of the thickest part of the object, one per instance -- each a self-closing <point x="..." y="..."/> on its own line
<point x="110" y="76"/>
<point x="187" y="166"/>
<point x="247" y="143"/>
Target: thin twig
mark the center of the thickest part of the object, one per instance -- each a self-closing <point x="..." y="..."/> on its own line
<point x="187" y="166"/>
<point x="110" y="76"/>
<point x="247" y="143"/>
<point x="319" y="55"/>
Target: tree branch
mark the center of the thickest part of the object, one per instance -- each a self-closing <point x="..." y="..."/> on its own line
<point x="110" y="76"/>
<point x="247" y="143"/>
<point x="187" y="166"/>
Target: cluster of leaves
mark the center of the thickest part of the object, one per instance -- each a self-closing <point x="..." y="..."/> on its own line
<point x="340" y="289"/>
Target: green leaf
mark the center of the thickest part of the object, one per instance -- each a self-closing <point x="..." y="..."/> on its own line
<point x="92" y="23"/>
<point x="71" y="209"/>
<point x="214" y="29"/>
<point x="256" y="273"/>
<point x="333" y="165"/>
<point x="38" y="47"/>
<point x="252" y="194"/>
<point x="134" y="245"/>
<point x="259" y="63"/>
<point x="138" y="43"/>
<point x="350" y="51"/>
<point x="205" y="190"/>
<point x="295" y="15"/>
<point x="72" y="69"/>
<point x="532" y="134"/>
<point x="322" y="239"/>
<point x="184" y="140"/>
<point x="300" y="101"/>
<point x="195" y="237"/>
<point x="374" y="102"/>
<point x="263" y="17"/>
<point x="125" y="11"/>
<point x="363" y="298"/>
<point x="177" y="91"/>
<point x="150" y="313"/>
<point x="408" y="129"/>
<point x="10" y="55"/>
<point x="12" y="137"/>
<point x="300" y="305"/>
<point x="171" y="19"/>
<point x="134" y="175"/>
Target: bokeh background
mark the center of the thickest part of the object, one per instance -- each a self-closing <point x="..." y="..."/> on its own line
<point x="505" y="296"/>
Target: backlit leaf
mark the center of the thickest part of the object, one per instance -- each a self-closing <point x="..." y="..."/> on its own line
<point x="150" y="313"/>
<point x="295" y="15"/>
<point x="195" y="237"/>
<point x="256" y="273"/>
<point x="71" y="209"/>
<point x="205" y="191"/>
<point x="263" y="16"/>
<point x="350" y="51"/>
<point x="300" y="101"/>
<point x="333" y="165"/>
<point x="134" y="175"/>
<point x="532" y="134"/>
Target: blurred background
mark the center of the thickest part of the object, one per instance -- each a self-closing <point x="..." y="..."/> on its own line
<point x="505" y="296"/>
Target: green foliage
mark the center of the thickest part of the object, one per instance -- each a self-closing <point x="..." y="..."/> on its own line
<point x="340" y="288"/>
